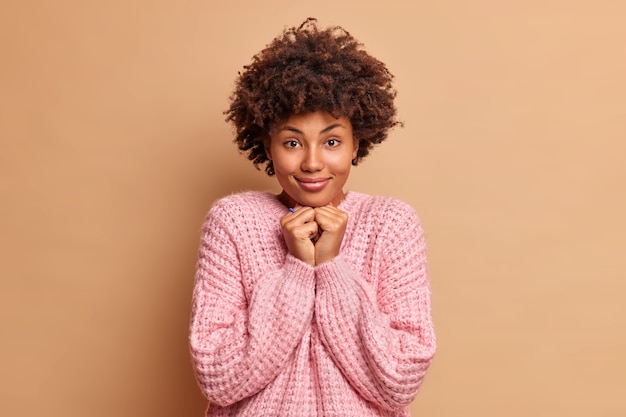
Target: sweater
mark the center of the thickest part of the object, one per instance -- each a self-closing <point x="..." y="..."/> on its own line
<point x="271" y="335"/>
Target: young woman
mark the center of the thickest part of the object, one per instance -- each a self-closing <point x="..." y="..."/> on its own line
<point x="316" y="301"/>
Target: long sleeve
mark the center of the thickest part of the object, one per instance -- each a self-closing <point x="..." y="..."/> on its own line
<point x="380" y="336"/>
<point x="240" y="341"/>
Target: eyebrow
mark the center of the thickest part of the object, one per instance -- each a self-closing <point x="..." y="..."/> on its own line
<point x="326" y="129"/>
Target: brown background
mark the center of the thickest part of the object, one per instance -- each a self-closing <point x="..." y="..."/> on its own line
<point x="113" y="146"/>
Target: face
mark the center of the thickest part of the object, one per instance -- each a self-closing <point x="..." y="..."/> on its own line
<point x="312" y="155"/>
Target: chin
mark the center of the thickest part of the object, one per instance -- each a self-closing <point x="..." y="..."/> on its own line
<point x="315" y="201"/>
<point x="318" y="204"/>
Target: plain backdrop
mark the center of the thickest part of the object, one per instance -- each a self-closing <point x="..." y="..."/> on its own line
<point x="113" y="146"/>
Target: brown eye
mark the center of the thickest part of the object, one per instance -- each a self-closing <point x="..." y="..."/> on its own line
<point x="332" y="142"/>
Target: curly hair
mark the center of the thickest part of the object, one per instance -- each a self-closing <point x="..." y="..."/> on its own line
<point x="305" y="70"/>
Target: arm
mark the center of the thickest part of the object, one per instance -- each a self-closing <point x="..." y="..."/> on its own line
<point x="381" y="338"/>
<point x="238" y="346"/>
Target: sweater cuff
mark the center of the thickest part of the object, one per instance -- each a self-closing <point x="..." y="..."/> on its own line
<point x="328" y="271"/>
<point x="301" y="270"/>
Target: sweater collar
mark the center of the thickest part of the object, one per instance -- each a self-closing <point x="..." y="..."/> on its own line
<point x="279" y="209"/>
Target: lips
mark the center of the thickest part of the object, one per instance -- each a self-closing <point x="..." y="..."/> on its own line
<point x="312" y="184"/>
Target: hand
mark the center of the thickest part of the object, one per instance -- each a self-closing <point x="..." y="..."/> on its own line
<point x="332" y="224"/>
<point x="299" y="231"/>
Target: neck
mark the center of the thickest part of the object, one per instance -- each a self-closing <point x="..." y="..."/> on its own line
<point x="288" y="201"/>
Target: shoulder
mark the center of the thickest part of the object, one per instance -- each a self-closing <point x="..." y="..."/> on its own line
<point x="387" y="209"/>
<point x="388" y="218"/>
<point x="235" y="208"/>
<point x="241" y="202"/>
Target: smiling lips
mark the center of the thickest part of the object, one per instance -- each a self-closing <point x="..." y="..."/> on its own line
<point x="312" y="184"/>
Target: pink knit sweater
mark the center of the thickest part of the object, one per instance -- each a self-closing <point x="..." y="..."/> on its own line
<point x="273" y="336"/>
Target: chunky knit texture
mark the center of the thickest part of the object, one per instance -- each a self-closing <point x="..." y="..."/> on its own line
<point x="273" y="336"/>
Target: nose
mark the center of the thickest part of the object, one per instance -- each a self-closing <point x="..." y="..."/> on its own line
<point x="313" y="160"/>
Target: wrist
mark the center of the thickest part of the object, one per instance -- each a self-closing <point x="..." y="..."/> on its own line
<point x="324" y="258"/>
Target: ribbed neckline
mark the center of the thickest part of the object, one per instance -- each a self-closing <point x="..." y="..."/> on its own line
<point x="279" y="209"/>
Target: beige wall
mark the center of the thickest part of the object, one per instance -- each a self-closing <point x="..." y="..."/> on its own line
<point x="113" y="146"/>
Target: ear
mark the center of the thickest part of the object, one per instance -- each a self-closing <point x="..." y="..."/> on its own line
<point x="267" y="141"/>
<point x="355" y="145"/>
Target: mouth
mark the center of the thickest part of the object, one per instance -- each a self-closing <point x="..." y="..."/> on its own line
<point x="312" y="184"/>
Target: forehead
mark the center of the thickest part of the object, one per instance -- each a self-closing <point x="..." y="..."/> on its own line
<point x="313" y="122"/>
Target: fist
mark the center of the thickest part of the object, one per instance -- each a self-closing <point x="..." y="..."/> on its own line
<point x="332" y="224"/>
<point x="300" y="231"/>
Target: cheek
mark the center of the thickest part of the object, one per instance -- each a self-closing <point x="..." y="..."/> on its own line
<point x="284" y="163"/>
<point x="340" y="163"/>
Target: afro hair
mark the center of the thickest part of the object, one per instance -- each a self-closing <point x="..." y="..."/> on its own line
<point x="307" y="69"/>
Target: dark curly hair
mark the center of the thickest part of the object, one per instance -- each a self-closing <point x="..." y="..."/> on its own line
<point x="305" y="70"/>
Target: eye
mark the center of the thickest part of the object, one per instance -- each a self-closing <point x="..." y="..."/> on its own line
<point x="292" y="144"/>
<point x="332" y="142"/>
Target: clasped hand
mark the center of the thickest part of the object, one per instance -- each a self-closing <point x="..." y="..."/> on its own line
<point x="314" y="235"/>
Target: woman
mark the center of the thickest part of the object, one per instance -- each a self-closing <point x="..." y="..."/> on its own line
<point x="314" y="302"/>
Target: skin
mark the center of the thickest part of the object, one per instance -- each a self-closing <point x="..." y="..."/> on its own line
<point x="312" y="155"/>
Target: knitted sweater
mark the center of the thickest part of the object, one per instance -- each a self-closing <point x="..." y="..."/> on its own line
<point x="273" y="336"/>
